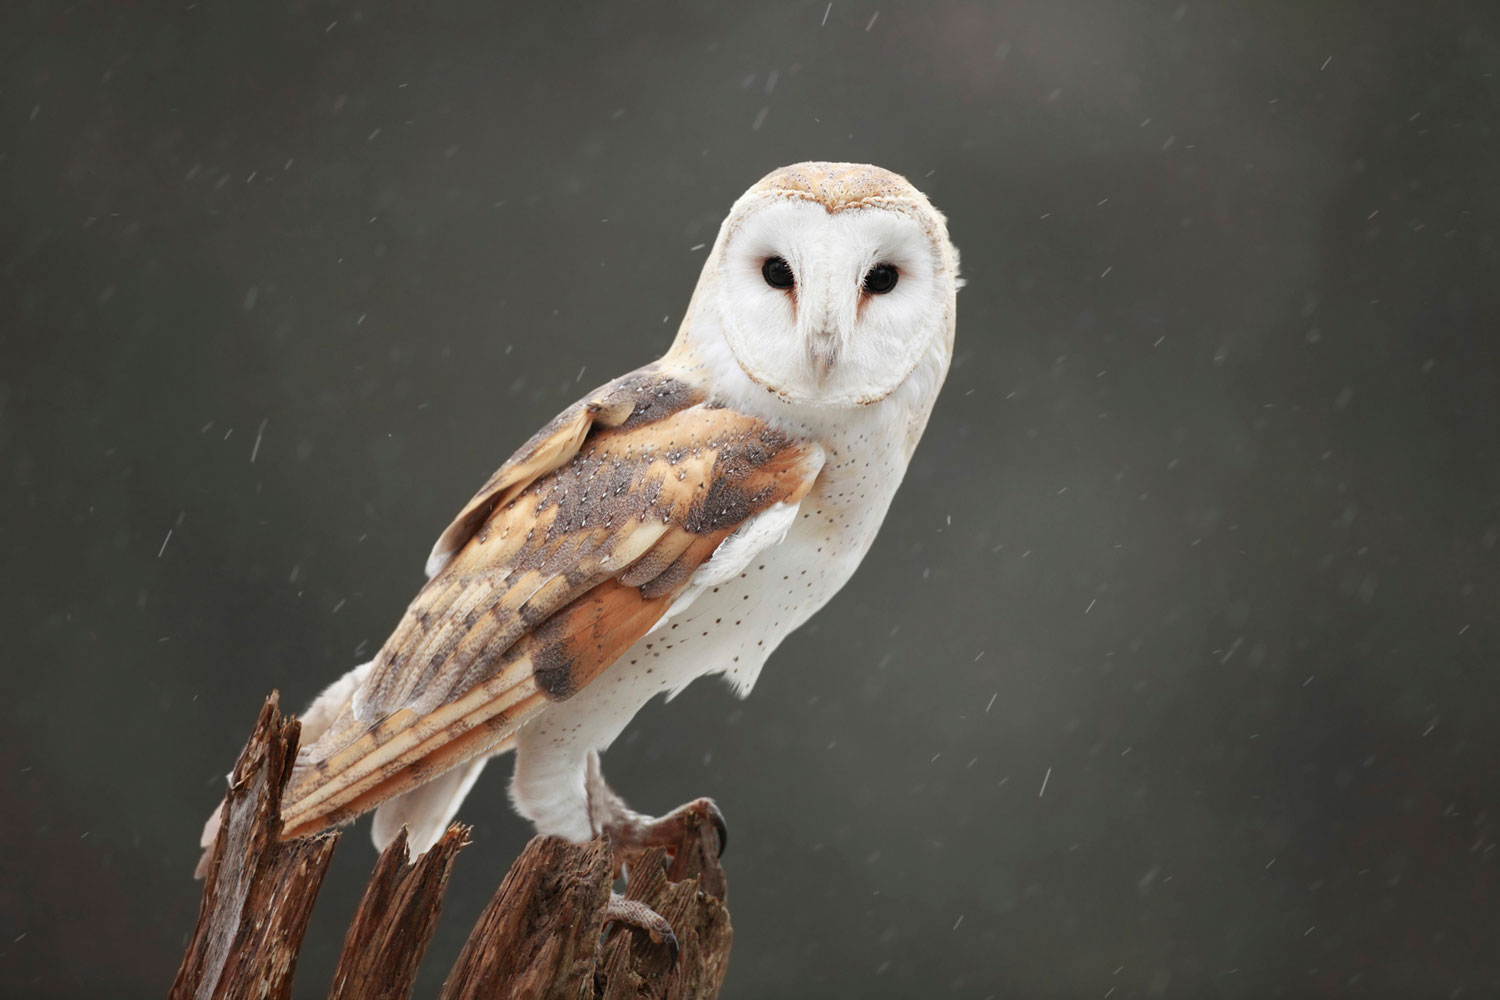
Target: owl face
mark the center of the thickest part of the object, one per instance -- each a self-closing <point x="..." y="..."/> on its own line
<point x="830" y="294"/>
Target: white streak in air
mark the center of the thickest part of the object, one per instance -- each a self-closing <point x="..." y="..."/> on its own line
<point x="164" y="542"/>
<point x="1045" y="778"/>
<point x="992" y="703"/>
<point x="259" y="431"/>
<point x="873" y="18"/>
<point x="823" y="24"/>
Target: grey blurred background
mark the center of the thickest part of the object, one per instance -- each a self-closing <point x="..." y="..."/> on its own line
<point x="1174" y="671"/>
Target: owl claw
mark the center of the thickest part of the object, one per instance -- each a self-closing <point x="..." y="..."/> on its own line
<point x="672" y="947"/>
<point x="720" y="827"/>
<point x="634" y="913"/>
<point x="672" y="831"/>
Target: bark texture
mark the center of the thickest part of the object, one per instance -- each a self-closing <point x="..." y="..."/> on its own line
<point x="395" y="921"/>
<point x="543" y="935"/>
<point x="258" y="891"/>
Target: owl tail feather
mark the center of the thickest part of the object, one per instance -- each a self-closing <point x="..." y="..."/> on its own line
<point x="426" y="810"/>
<point x="315" y="722"/>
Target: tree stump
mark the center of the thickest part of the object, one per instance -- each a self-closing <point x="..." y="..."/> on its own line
<point x="395" y="921"/>
<point x="539" y="938"/>
<point x="258" y="891"/>
<point x="542" y="936"/>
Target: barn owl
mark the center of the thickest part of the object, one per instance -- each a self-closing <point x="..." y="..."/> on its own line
<point x="676" y="522"/>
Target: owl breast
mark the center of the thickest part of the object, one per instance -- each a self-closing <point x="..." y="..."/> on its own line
<point x="732" y="627"/>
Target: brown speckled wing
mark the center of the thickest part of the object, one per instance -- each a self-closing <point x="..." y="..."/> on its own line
<point x="640" y="397"/>
<point x="570" y="554"/>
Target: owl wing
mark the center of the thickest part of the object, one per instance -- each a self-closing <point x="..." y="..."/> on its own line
<point x="572" y="552"/>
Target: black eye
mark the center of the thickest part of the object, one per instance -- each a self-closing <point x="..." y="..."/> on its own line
<point x="778" y="273"/>
<point x="881" y="279"/>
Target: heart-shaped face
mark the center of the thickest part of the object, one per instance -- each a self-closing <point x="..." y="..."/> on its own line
<point x="829" y="282"/>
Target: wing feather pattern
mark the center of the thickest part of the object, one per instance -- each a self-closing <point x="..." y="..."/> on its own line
<point x="571" y="553"/>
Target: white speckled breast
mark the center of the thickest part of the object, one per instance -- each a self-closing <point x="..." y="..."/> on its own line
<point x="733" y="627"/>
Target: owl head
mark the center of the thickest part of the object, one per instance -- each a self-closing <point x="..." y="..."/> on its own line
<point x="828" y="285"/>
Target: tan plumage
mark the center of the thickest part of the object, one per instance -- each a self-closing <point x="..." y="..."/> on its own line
<point x="731" y="488"/>
<point x="564" y="559"/>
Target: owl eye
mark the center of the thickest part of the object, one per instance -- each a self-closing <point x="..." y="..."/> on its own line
<point x="778" y="273"/>
<point x="881" y="279"/>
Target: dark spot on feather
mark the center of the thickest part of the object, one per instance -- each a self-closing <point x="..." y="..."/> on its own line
<point x="724" y="504"/>
<point x="669" y="579"/>
<point x="383" y="731"/>
<point x="655" y="396"/>
<point x="552" y="666"/>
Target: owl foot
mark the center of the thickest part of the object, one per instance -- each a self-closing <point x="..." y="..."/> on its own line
<point x="633" y="913"/>
<point x="633" y="833"/>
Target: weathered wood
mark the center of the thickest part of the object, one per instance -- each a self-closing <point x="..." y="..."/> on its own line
<point x="542" y="937"/>
<point x="258" y="892"/>
<point x="395" y="921"/>
<point x="539" y="936"/>
<point x="690" y="891"/>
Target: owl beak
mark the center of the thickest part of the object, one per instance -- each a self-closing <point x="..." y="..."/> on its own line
<point x="823" y="354"/>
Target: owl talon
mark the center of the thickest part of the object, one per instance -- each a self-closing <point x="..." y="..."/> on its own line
<point x="634" y="913"/>
<point x="720" y="826"/>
